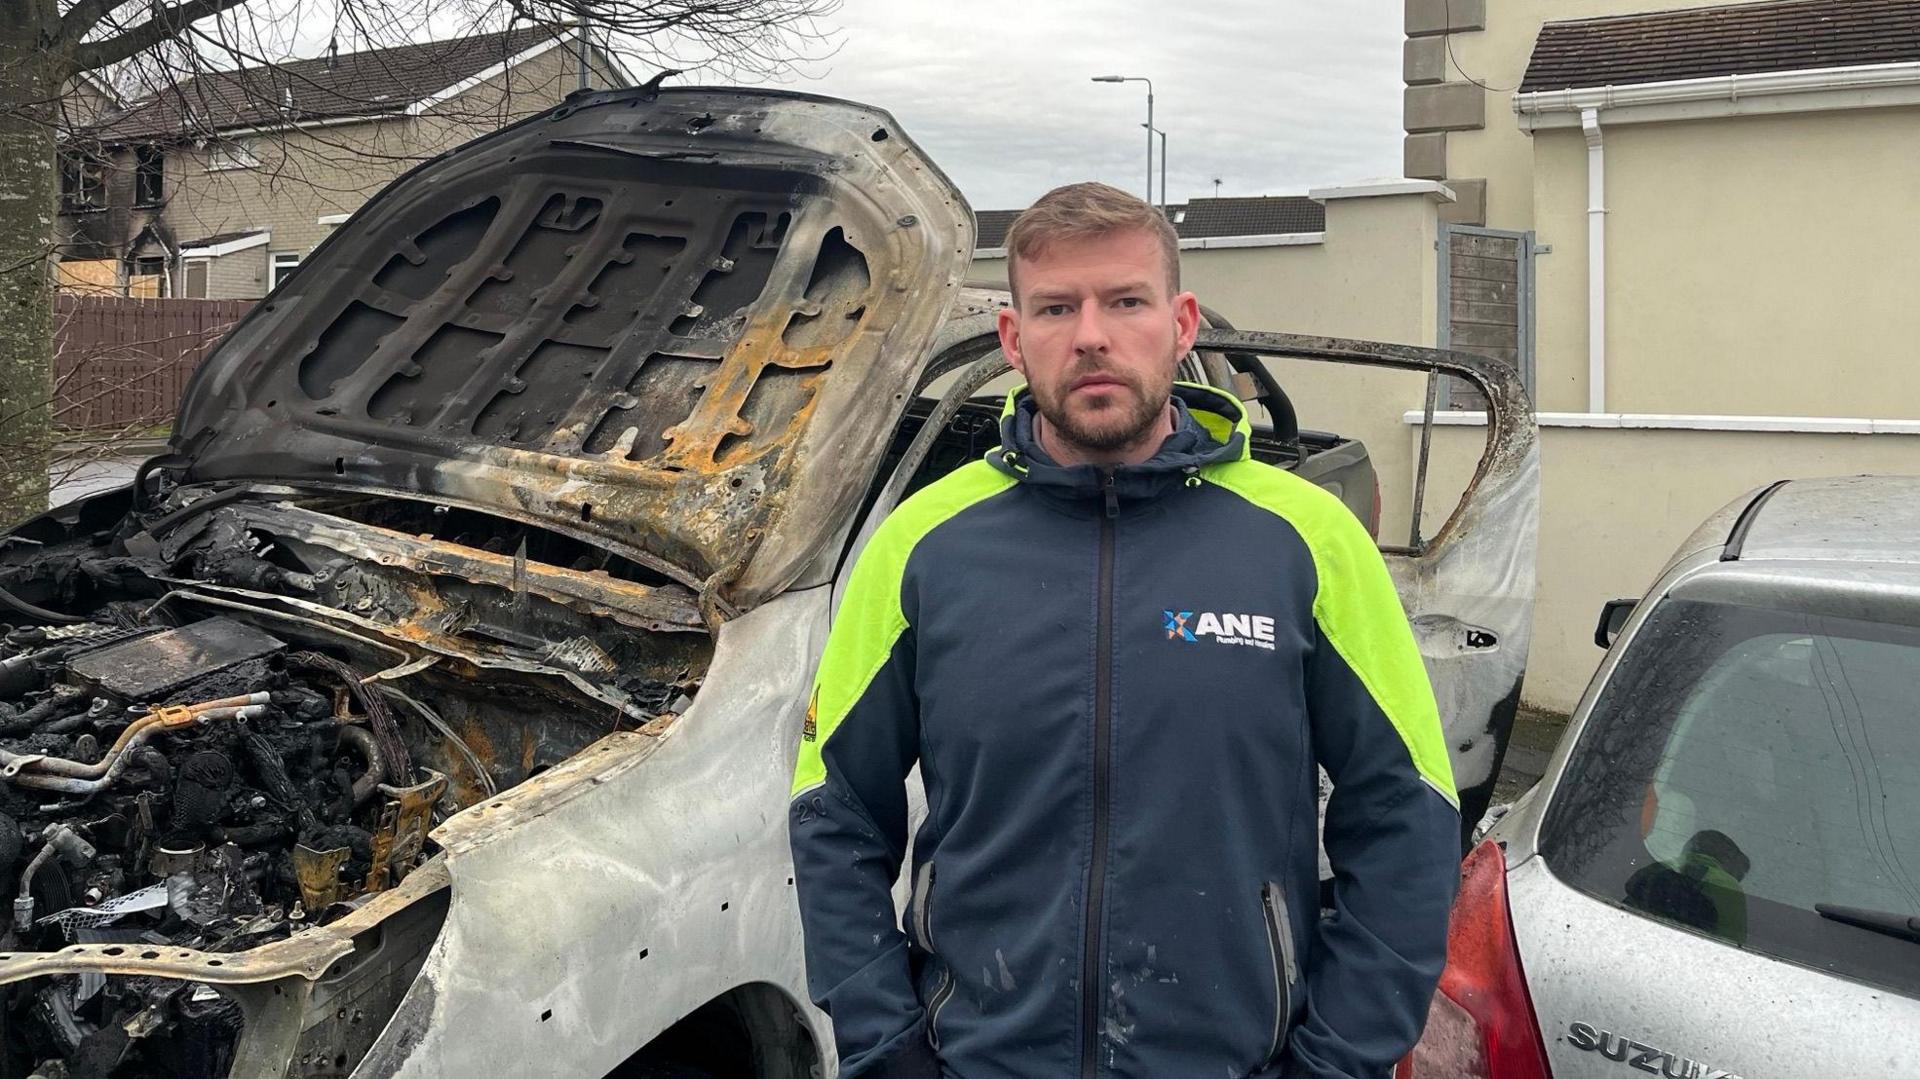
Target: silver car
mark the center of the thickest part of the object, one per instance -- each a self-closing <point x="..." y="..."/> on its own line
<point x="1719" y="874"/>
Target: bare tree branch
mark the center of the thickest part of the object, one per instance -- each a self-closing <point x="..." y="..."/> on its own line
<point x="80" y="19"/>
<point x="166" y="23"/>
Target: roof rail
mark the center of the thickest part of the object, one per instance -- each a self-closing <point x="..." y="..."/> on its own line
<point x="1737" y="539"/>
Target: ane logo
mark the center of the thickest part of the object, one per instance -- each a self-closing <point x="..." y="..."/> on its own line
<point x="1252" y="630"/>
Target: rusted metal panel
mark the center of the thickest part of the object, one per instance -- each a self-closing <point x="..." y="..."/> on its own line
<point x="150" y="665"/>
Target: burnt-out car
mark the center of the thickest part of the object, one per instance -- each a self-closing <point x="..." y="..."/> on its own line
<point x="430" y="707"/>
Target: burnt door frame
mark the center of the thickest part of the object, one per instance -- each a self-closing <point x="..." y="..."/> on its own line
<point x="1524" y="298"/>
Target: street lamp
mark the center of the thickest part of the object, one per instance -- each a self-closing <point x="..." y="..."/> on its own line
<point x="1150" y="129"/>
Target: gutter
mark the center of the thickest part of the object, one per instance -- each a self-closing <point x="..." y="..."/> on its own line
<point x="1804" y="90"/>
<point x="1596" y="260"/>
<point x="256" y="239"/>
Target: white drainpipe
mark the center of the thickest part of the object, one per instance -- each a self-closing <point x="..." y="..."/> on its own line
<point x="1596" y="261"/>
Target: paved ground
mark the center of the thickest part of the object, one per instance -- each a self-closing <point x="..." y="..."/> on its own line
<point x="1535" y="734"/>
<point x="70" y="481"/>
<point x="92" y="478"/>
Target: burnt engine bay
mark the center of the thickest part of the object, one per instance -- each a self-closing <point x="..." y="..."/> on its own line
<point x="470" y="494"/>
<point x="229" y="747"/>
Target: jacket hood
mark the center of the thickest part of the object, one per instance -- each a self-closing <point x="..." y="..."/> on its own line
<point x="1209" y="427"/>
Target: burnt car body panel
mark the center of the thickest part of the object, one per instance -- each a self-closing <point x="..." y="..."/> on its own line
<point x="654" y="319"/>
<point x="601" y="651"/>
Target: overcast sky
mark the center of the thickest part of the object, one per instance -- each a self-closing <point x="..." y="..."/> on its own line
<point x="1270" y="96"/>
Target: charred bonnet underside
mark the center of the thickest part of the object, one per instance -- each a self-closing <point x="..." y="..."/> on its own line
<point x="264" y="709"/>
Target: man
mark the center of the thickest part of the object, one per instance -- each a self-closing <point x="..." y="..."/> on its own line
<point x="1117" y="649"/>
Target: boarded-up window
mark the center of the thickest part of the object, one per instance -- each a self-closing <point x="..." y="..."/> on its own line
<point x="1486" y="289"/>
<point x="148" y="279"/>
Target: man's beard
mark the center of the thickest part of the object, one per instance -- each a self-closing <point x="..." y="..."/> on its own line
<point x="1126" y="423"/>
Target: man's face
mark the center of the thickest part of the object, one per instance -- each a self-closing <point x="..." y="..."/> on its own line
<point x="1097" y="333"/>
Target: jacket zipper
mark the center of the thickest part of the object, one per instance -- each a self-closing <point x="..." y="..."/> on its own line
<point x="1285" y="973"/>
<point x="941" y="995"/>
<point x="1090" y="967"/>
<point x="922" y="899"/>
<point x="923" y="932"/>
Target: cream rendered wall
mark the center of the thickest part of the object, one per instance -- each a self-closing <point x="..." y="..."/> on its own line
<point x="1497" y="57"/>
<point x="1615" y="503"/>
<point x="1371" y="278"/>
<point x="1760" y="265"/>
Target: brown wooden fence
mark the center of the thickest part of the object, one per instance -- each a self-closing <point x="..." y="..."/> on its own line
<point x="121" y="364"/>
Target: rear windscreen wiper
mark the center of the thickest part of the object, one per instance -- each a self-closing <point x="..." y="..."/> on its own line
<point x="1880" y="921"/>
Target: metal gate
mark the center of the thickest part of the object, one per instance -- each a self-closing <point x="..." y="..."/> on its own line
<point x="1486" y="303"/>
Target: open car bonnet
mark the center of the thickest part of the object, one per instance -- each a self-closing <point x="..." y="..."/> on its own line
<point x="679" y="323"/>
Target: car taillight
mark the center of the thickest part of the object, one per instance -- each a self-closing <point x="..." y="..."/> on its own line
<point x="1373" y="516"/>
<point x="1481" y="1023"/>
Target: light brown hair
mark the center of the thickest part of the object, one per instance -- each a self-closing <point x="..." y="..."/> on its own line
<point x="1082" y="211"/>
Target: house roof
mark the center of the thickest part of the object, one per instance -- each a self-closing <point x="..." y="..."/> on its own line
<point x="375" y="82"/>
<point x="990" y="227"/>
<point x="1731" y="39"/>
<point x="1263" y="215"/>
<point x="225" y="243"/>
<point x="1259" y="215"/>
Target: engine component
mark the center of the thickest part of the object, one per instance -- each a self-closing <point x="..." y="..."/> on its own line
<point x="199" y="795"/>
<point x="363" y="742"/>
<point x="393" y="752"/>
<point x="404" y="822"/>
<point x="196" y="787"/>
<point x="61" y="841"/>
<point x="150" y="666"/>
<point x="18" y="674"/>
<point x="319" y="874"/>
<point x="11" y="842"/>
<point x="73" y="777"/>
<point x="175" y="777"/>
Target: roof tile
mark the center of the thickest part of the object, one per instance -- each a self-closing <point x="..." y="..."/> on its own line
<point x="351" y="84"/>
<point x="1730" y="39"/>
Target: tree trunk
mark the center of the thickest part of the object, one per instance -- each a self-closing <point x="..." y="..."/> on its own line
<point x="28" y="188"/>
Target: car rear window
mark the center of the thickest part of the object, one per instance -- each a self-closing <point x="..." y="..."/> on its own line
<point x="1744" y="768"/>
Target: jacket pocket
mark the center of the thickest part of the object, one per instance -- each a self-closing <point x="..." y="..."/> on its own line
<point x="921" y="914"/>
<point x="922" y="909"/>
<point x="1286" y="973"/>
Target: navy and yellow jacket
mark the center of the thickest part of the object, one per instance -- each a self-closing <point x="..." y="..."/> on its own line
<point x="1117" y="686"/>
